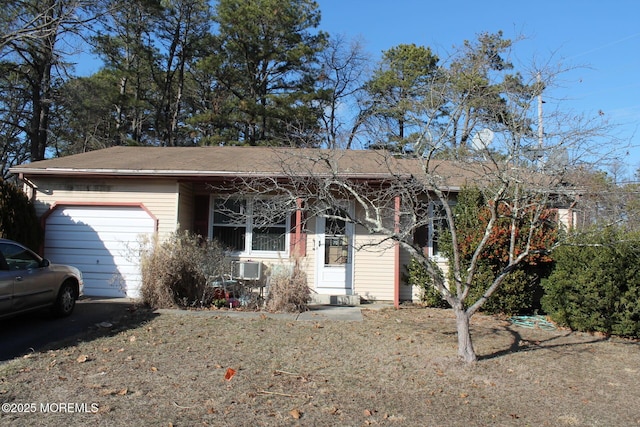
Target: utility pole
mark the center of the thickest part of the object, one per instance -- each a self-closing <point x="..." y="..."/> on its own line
<point x="539" y="152"/>
<point x="540" y="125"/>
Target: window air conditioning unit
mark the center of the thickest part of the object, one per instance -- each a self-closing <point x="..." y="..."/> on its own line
<point x="247" y="270"/>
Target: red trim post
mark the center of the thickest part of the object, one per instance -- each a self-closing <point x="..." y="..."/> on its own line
<point x="299" y="244"/>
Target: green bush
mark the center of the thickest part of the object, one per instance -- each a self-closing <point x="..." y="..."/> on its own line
<point x="175" y="272"/>
<point x="521" y="290"/>
<point x="18" y="219"/>
<point x="519" y="293"/>
<point x="595" y="284"/>
<point x="416" y="275"/>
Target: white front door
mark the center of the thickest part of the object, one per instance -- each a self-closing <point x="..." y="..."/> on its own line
<point x="334" y="255"/>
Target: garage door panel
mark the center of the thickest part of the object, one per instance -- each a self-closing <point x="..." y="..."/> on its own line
<point x="92" y="269"/>
<point x="91" y="241"/>
<point x="93" y="256"/>
<point x="97" y="242"/>
<point x="99" y="211"/>
<point x="102" y="228"/>
<point x="101" y="257"/>
<point x="106" y="277"/>
<point x="85" y="261"/>
<point x="103" y="242"/>
<point x="80" y="229"/>
<point x="107" y="285"/>
<point x="69" y="217"/>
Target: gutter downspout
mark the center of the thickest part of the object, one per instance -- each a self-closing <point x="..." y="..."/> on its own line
<point x="300" y="249"/>
<point x="396" y="275"/>
<point x="28" y="183"/>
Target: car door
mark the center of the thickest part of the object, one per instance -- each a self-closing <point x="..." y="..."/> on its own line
<point x="31" y="285"/>
<point x="6" y="287"/>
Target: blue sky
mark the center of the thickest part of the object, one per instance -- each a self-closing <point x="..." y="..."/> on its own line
<point x="601" y="39"/>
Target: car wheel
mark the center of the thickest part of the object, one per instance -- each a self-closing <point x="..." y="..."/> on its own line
<point x="66" y="300"/>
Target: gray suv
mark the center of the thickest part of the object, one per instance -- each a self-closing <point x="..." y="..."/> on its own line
<point x="29" y="282"/>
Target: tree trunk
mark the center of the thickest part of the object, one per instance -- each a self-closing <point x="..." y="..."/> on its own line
<point x="465" y="346"/>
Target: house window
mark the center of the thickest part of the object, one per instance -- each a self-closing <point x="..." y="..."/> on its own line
<point x="428" y="234"/>
<point x="250" y="226"/>
<point x="438" y="225"/>
<point x="229" y="223"/>
<point x="269" y="227"/>
<point x="336" y="242"/>
<point x="421" y="238"/>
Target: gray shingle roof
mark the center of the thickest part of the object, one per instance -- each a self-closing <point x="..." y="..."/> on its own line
<point x="196" y="162"/>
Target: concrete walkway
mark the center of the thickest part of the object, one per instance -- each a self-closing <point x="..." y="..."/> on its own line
<point x="316" y="313"/>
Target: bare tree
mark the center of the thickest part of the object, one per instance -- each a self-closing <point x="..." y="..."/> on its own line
<point x="344" y="67"/>
<point x="525" y="177"/>
<point x="398" y="201"/>
<point x="606" y="202"/>
<point x="25" y="21"/>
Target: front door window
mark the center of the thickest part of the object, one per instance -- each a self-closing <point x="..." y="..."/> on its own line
<point x="336" y="242"/>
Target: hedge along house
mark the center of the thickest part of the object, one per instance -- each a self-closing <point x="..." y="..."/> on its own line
<point x="96" y="206"/>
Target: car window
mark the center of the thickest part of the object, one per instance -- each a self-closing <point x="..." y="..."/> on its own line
<point x="18" y="258"/>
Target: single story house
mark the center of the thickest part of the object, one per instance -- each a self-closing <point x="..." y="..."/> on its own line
<point x="96" y="205"/>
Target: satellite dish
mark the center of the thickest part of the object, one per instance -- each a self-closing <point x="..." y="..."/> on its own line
<point x="481" y="140"/>
<point x="558" y="159"/>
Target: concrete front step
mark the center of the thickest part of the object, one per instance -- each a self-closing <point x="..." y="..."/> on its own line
<point x="335" y="299"/>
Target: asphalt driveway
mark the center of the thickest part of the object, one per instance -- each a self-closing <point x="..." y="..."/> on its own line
<point x="39" y="330"/>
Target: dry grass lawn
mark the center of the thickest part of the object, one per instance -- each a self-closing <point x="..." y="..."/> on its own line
<point x="396" y="368"/>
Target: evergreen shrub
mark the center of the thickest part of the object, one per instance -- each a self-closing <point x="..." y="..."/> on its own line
<point x="595" y="284"/>
<point x="18" y="219"/>
<point x="416" y="275"/>
<point x="521" y="290"/>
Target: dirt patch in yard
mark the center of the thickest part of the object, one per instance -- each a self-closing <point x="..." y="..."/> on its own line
<point x="396" y="368"/>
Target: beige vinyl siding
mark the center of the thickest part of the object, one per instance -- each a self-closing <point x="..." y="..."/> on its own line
<point x="159" y="197"/>
<point x="374" y="264"/>
<point x="414" y="293"/>
<point x="185" y="207"/>
<point x="374" y="267"/>
<point x="567" y="218"/>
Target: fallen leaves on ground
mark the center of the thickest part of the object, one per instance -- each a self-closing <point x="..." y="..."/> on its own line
<point x="229" y="374"/>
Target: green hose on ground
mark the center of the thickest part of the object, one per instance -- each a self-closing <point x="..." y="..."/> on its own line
<point x="533" y="322"/>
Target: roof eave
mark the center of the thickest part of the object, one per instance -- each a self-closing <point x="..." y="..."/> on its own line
<point x="127" y="173"/>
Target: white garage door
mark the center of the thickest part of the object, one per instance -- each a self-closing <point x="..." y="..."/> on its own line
<point x="103" y="242"/>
